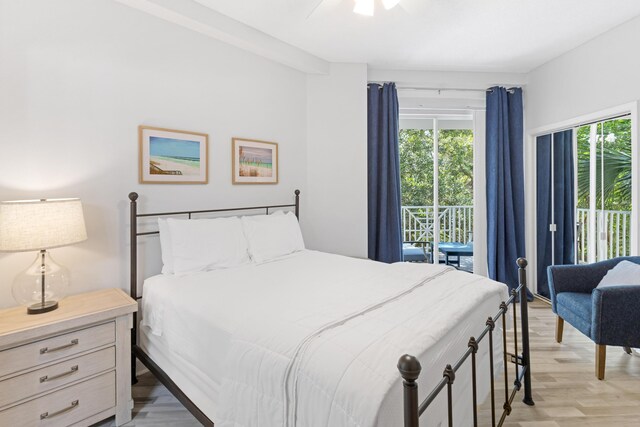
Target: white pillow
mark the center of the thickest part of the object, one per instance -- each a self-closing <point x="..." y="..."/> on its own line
<point x="624" y="273"/>
<point x="272" y="236"/>
<point x="207" y="244"/>
<point x="165" y="246"/>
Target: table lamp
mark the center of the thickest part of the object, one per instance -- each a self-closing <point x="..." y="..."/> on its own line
<point x="38" y="225"/>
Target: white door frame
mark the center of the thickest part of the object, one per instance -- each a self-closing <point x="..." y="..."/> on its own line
<point x="435" y="255"/>
<point x="480" y="193"/>
<point x="633" y="108"/>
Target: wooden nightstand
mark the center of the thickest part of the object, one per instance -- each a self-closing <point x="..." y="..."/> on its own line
<point x="71" y="366"/>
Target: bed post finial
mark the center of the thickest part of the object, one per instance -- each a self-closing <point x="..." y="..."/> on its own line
<point x="410" y="368"/>
<point x="297" y="193"/>
<point x="133" y="196"/>
<point x="524" y="315"/>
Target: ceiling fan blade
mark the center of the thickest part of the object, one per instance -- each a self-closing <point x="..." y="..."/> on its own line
<point x="314" y="8"/>
<point x="325" y="6"/>
<point x="390" y="4"/>
<point x="415" y="6"/>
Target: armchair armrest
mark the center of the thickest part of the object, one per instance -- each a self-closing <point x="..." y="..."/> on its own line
<point x="615" y="316"/>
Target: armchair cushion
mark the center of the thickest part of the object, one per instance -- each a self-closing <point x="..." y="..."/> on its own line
<point x="576" y="308"/>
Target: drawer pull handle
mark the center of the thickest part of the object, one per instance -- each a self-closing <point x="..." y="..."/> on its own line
<point x="46" y="415"/>
<point x="46" y="378"/>
<point x="44" y="350"/>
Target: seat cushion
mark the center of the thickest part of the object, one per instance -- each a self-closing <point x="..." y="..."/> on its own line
<point x="575" y="308"/>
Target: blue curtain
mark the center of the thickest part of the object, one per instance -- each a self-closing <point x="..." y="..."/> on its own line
<point x="561" y="190"/>
<point x="543" y="207"/>
<point x="505" y="184"/>
<point x="384" y="201"/>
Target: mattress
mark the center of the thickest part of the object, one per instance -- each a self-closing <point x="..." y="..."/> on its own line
<point x="312" y="339"/>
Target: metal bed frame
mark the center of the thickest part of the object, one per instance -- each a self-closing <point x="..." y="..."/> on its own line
<point x="409" y="366"/>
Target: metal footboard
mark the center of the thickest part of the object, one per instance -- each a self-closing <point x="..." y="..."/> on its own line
<point x="410" y="368"/>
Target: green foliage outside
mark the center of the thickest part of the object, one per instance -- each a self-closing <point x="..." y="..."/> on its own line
<point x="617" y="165"/>
<point x="456" y="166"/>
<point x="455" y="169"/>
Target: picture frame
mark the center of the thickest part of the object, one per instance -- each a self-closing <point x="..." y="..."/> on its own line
<point x="254" y="161"/>
<point x="170" y="156"/>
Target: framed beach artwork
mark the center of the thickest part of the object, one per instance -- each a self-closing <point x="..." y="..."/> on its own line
<point x="254" y="161"/>
<point x="170" y="156"/>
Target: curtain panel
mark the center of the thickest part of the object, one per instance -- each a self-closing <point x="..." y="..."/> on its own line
<point x="384" y="200"/>
<point x="505" y="183"/>
<point x="554" y="204"/>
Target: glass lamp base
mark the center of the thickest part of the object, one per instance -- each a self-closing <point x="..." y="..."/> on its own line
<point x="42" y="285"/>
<point x="42" y="307"/>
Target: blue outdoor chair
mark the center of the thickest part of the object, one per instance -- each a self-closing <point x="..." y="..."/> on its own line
<point x="609" y="316"/>
<point x="416" y="251"/>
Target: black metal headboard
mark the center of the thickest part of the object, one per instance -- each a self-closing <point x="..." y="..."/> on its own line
<point x="134" y="233"/>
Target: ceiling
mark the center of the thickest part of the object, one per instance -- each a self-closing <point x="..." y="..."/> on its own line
<point x="463" y="35"/>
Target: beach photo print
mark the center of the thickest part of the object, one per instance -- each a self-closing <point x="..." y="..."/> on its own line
<point x="254" y="161"/>
<point x="173" y="156"/>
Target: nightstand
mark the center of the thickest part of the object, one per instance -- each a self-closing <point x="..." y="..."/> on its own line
<point x="68" y="367"/>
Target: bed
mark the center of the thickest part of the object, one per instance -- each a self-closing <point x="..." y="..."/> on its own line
<point x="313" y="339"/>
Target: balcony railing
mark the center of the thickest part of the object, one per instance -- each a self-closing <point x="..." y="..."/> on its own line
<point x="614" y="238"/>
<point x="456" y="223"/>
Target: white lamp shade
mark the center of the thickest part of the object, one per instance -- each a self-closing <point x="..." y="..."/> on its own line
<point x="30" y="225"/>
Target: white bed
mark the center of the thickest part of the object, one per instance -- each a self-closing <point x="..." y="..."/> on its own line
<point x="312" y="339"/>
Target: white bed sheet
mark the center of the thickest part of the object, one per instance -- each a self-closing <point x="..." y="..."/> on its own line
<point x="192" y="320"/>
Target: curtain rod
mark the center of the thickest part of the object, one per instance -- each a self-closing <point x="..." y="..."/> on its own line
<point x="439" y="89"/>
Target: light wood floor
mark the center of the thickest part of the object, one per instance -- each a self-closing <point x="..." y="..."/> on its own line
<point x="565" y="389"/>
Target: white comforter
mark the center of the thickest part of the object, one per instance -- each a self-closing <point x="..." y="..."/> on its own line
<point x="313" y="339"/>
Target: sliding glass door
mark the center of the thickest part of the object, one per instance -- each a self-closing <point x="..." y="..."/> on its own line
<point x="583" y="195"/>
<point x="436" y="165"/>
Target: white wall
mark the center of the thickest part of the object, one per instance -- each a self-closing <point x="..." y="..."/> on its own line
<point x="601" y="73"/>
<point x="337" y="161"/>
<point x="78" y="77"/>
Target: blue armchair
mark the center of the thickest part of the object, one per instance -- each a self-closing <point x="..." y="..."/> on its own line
<point x="609" y="316"/>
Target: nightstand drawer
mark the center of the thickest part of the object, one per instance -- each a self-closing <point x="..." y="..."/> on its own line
<point x="45" y="379"/>
<point x="66" y="406"/>
<point x="31" y="355"/>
